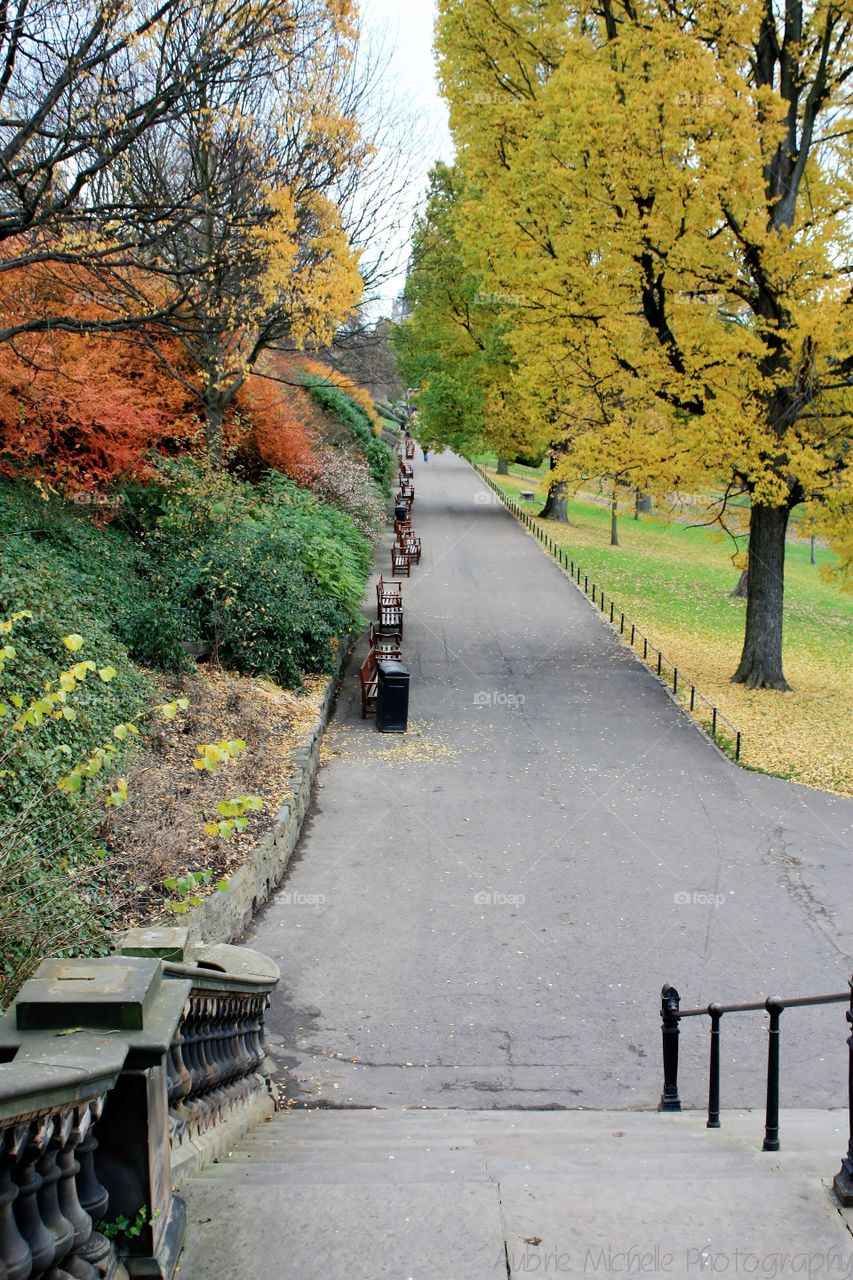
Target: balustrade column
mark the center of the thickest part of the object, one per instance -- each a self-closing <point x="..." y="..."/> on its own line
<point x="94" y="1198"/>
<point x="29" y="1180"/>
<point x="14" y="1250"/>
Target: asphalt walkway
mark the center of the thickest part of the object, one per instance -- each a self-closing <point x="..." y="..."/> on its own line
<point x="481" y="913"/>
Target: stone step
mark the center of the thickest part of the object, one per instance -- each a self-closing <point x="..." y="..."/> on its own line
<point x="465" y="1196"/>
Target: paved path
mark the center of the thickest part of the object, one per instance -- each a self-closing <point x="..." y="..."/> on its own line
<point x="482" y="913"/>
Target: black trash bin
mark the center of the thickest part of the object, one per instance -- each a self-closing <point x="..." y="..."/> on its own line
<point x="392" y="697"/>
<point x="401" y="512"/>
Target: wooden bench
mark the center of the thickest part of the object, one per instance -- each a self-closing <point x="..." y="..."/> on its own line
<point x="527" y="494"/>
<point x="391" y="616"/>
<point x="401" y="563"/>
<point x="389" y="605"/>
<point x="386" y="595"/>
<point x="386" y="642"/>
<point x="369" y="680"/>
<point x="411" y="545"/>
<point x="410" y="448"/>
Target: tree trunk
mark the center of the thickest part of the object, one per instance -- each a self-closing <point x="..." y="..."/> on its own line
<point x="213" y="429"/>
<point x="741" y="591"/>
<point x="503" y="469"/>
<point x="761" y="660"/>
<point x="555" y="503"/>
<point x="642" y="502"/>
<point x="811" y="552"/>
<point x="614" y="514"/>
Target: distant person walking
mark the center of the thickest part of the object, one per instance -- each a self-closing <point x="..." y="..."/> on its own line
<point x="426" y="455"/>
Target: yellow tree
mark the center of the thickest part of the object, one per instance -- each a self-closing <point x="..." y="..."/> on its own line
<point x="675" y="204"/>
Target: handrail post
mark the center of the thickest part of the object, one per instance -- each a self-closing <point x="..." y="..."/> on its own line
<point x="774" y="1007"/>
<point x="715" y="1012"/>
<point x="843" y="1183"/>
<point x="669" y="1099"/>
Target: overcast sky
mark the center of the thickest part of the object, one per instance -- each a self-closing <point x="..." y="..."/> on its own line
<point x="405" y="29"/>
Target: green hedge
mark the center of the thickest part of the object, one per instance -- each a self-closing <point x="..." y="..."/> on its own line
<point x="379" y="458"/>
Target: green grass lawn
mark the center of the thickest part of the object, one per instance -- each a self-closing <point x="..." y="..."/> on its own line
<point x="675" y="583"/>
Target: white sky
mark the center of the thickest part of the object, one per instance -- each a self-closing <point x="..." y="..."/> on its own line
<point x="404" y="29"/>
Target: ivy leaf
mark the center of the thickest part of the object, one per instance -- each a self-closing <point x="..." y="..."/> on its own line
<point x="73" y="642"/>
<point x="107" y="674"/>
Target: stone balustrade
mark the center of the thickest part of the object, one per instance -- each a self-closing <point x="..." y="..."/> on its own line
<point x="115" y="1072"/>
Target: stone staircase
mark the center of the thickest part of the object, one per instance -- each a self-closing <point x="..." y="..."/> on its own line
<point x="486" y="1195"/>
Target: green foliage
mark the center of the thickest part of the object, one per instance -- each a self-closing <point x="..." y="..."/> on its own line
<point x="76" y="580"/>
<point x="265" y="573"/>
<point x="377" y="455"/>
<point x="127" y="1228"/>
<point x="185" y="890"/>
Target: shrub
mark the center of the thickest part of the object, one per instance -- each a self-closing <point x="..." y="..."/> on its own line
<point x="265" y="574"/>
<point x="344" y="482"/>
<point x="75" y="578"/>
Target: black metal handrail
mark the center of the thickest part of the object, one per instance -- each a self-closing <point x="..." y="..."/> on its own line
<point x="619" y="620"/>
<point x="672" y="1014"/>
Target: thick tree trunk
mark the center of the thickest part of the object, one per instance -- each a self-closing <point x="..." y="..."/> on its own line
<point x="614" y="515"/>
<point x="741" y="591"/>
<point x="213" y="414"/>
<point x="812" y="559"/>
<point x="503" y="469"/>
<point x="555" y="503"/>
<point x="761" y="660"/>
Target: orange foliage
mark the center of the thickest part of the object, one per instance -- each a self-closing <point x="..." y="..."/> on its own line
<point x="81" y="411"/>
<point x="282" y="426"/>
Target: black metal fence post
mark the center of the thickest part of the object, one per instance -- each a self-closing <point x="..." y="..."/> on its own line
<point x="714" y="1076"/>
<point x="771" y="1125"/>
<point x="843" y="1183"/>
<point x="669" y="1099"/>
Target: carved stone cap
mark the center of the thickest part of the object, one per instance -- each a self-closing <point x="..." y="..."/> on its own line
<point x="161" y="943"/>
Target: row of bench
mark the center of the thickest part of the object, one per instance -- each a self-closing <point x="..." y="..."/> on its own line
<point x="386" y="633"/>
<point x="407" y="547"/>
